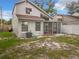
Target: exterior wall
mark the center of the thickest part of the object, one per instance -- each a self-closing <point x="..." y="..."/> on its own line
<point x="70" y="25"/>
<point x="15" y="23"/>
<point x="35" y="11"/>
<point x="21" y="9"/>
<point x="56" y="17"/>
<point x="70" y="29"/>
<point x="31" y="28"/>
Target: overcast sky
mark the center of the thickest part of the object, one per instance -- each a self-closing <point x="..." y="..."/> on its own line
<point x="7" y="6"/>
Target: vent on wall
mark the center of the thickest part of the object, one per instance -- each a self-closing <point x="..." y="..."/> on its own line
<point x="44" y="17"/>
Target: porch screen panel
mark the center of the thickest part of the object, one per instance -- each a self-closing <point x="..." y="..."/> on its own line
<point x="46" y="25"/>
<point x="54" y="27"/>
<point x="58" y="27"/>
<point x="48" y="28"/>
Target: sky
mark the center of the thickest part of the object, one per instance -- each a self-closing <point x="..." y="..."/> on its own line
<point x="7" y="7"/>
<point x="61" y="6"/>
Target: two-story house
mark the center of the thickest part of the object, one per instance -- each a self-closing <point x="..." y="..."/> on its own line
<point x="28" y="17"/>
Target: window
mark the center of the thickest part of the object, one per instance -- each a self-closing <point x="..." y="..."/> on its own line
<point x="28" y="10"/>
<point x="24" y="26"/>
<point x="38" y="26"/>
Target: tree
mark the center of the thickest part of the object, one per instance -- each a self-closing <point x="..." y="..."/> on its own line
<point x="46" y="3"/>
<point x="50" y="8"/>
<point x="72" y="7"/>
<point x="40" y="3"/>
<point x="3" y="21"/>
<point x="77" y="10"/>
<point x="9" y="22"/>
<point x="6" y="22"/>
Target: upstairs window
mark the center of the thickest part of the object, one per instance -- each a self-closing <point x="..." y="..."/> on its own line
<point x="38" y="26"/>
<point x="28" y="10"/>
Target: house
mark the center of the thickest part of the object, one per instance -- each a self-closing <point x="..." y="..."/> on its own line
<point x="28" y="17"/>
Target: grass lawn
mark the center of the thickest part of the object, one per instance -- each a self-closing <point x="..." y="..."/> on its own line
<point x="36" y="53"/>
<point x="6" y="34"/>
<point x="69" y="40"/>
<point x="9" y="40"/>
<point x="6" y="41"/>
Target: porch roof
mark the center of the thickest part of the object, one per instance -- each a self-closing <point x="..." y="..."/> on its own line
<point x="29" y="18"/>
<point x="76" y="16"/>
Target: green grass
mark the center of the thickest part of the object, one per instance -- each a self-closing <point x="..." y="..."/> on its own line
<point x="36" y="52"/>
<point x="10" y="42"/>
<point x="6" y="34"/>
<point x="69" y="40"/>
<point x="4" y="44"/>
<point x="7" y="43"/>
<point x="57" y="54"/>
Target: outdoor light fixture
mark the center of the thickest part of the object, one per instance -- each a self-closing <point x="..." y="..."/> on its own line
<point x="25" y="23"/>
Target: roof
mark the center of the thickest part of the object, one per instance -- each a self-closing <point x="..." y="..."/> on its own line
<point x="34" y="6"/>
<point x="77" y="17"/>
<point x="28" y="17"/>
<point x="69" y="19"/>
